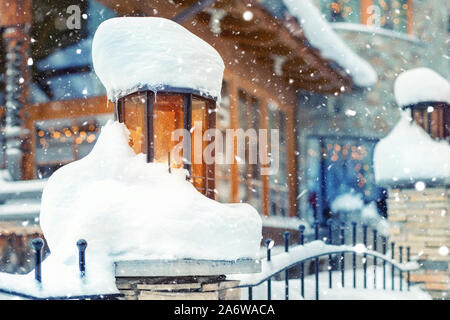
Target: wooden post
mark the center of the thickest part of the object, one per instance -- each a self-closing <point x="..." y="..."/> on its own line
<point x="234" y="113"/>
<point x="410" y="17"/>
<point x="13" y="13"/>
<point x="291" y="159"/>
<point x="15" y="22"/>
<point x="265" y="178"/>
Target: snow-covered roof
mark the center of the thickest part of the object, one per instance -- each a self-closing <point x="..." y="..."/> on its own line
<point x="421" y="85"/>
<point x="409" y="154"/>
<point x="136" y="52"/>
<point x="322" y="36"/>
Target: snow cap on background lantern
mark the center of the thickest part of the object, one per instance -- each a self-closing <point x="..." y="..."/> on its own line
<point x="134" y="53"/>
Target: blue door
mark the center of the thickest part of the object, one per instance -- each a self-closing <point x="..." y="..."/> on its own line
<point x="337" y="166"/>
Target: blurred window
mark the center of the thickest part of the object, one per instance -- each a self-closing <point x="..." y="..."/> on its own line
<point x="278" y="182"/>
<point x="388" y="14"/>
<point x="61" y="141"/>
<point x="342" y="10"/>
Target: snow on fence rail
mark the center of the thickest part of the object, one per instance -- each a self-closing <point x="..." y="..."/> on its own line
<point x="298" y="255"/>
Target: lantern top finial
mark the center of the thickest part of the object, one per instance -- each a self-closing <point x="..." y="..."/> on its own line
<point x="149" y="53"/>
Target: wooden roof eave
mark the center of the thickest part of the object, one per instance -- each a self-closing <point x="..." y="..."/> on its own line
<point x="339" y="74"/>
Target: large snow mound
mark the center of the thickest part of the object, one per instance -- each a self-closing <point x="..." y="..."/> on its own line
<point x="148" y="52"/>
<point x="322" y="36"/>
<point x="421" y="85"/>
<point x="128" y="209"/>
<point x="408" y="154"/>
<point x="133" y="209"/>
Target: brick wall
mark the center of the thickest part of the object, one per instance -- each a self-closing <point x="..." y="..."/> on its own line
<point x="178" y="288"/>
<point x="421" y="220"/>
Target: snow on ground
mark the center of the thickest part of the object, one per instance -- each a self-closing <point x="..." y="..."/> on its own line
<point x="153" y="52"/>
<point x="347" y="202"/>
<point x="408" y="154"/>
<point x="322" y="36"/>
<point x="351" y="208"/>
<point x="127" y="209"/>
<point x="421" y="85"/>
<point x="337" y="292"/>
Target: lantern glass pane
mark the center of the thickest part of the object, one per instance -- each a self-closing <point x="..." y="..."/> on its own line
<point x="167" y="118"/>
<point x="199" y="126"/>
<point x="134" y="118"/>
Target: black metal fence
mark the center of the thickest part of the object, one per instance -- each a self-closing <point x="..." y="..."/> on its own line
<point x="378" y="255"/>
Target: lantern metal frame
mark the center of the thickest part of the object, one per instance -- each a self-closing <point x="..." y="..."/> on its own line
<point x="188" y="96"/>
<point x="422" y="106"/>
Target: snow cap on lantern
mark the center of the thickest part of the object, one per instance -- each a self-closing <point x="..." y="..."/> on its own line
<point x="408" y="154"/>
<point x="421" y="85"/>
<point x="134" y="53"/>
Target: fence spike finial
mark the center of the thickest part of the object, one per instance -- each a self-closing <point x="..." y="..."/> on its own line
<point x="286" y="236"/>
<point x="269" y="244"/>
<point x="38" y="244"/>
<point x="301" y="234"/>
<point x="82" y="245"/>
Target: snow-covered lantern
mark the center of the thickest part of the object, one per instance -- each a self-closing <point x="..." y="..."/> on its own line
<point x="426" y="95"/>
<point x="164" y="81"/>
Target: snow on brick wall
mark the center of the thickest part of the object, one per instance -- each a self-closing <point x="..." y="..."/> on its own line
<point x="408" y="154"/>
